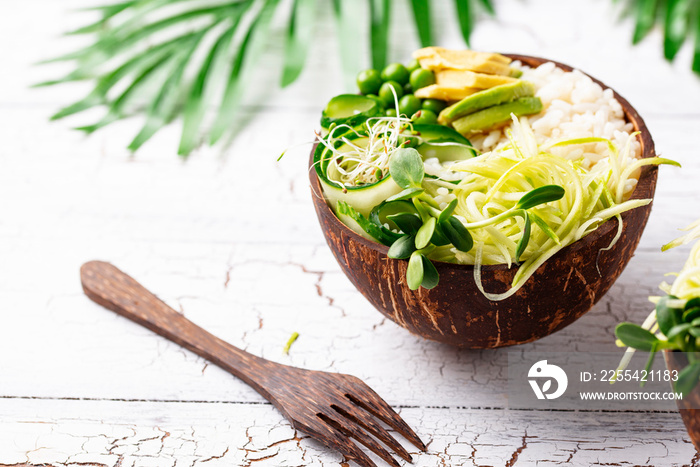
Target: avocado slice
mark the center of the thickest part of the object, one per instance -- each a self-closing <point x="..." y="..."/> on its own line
<point x="484" y="99"/>
<point x="497" y="115"/>
<point x="456" y="78"/>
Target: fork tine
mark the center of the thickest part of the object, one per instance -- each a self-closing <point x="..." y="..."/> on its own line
<point x="385" y="413"/>
<point x="364" y="419"/>
<point x="343" y="444"/>
<point x="353" y="431"/>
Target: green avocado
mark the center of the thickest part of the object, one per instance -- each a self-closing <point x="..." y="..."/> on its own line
<point x="496" y="95"/>
<point x="497" y="115"/>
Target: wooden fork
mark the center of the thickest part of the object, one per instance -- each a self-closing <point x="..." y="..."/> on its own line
<point x="330" y="407"/>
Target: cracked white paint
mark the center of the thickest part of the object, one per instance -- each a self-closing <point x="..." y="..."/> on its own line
<point x="82" y="386"/>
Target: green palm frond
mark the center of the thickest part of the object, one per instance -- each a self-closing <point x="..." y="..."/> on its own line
<point x="680" y="20"/>
<point x="173" y="59"/>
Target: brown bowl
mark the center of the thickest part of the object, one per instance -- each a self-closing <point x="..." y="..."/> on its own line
<point x="455" y="312"/>
<point x="691" y="416"/>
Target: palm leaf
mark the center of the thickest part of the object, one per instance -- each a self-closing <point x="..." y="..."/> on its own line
<point x="465" y="18"/>
<point x="162" y="108"/>
<point x="254" y="39"/>
<point x="645" y="17"/>
<point x="117" y="109"/>
<point x="421" y="14"/>
<point x="200" y="54"/>
<point x="488" y="6"/>
<point x="298" y="39"/>
<point x="196" y="104"/>
<point x="108" y="11"/>
<point x="676" y="26"/>
<point x="680" y="20"/>
<point x="346" y="17"/>
<point x="379" y="14"/>
<point x="696" y="53"/>
<point x="104" y="83"/>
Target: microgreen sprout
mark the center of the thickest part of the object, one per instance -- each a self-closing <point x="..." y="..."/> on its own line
<point x="292" y="339"/>
<point x="674" y="324"/>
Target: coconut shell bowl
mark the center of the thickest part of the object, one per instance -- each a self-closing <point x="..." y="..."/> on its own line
<point x="455" y="312"/>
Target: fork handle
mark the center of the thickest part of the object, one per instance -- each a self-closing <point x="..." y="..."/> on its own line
<point x="106" y="285"/>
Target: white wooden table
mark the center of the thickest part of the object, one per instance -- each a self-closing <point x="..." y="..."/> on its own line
<point x="81" y="386"/>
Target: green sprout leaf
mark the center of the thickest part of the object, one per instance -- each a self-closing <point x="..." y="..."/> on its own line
<point x="425" y="233"/>
<point x="439" y="238"/>
<point x="524" y="240"/>
<point x="430" y="274"/>
<point x="692" y="303"/>
<point x="633" y="335"/>
<point x="688" y="378"/>
<point x="667" y="317"/>
<point x="409" y="223"/>
<point x="691" y="315"/>
<point x="448" y="211"/>
<point x="406" y="168"/>
<point x="415" y="272"/>
<point x="678" y="330"/>
<point x="408" y="193"/>
<point x="457" y="234"/>
<point x="541" y="195"/>
<point x="403" y="247"/>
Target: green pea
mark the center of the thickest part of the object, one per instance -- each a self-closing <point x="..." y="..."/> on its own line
<point x="396" y="72"/>
<point x="408" y="105"/>
<point x="424" y="117"/>
<point x="390" y="112"/>
<point x="421" y="78"/>
<point x="434" y="105"/>
<point x="407" y="88"/>
<point x="369" y="81"/>
<point x="387" y="96"/>
<point x="413" y="65"/>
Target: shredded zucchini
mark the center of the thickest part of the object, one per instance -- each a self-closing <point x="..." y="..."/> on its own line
<point x="498" y="179"/>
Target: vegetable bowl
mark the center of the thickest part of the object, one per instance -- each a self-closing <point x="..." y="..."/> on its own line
<point x="457" y="310"/>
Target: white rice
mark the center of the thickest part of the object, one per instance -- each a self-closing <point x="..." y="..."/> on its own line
<point x="574" y="107"/>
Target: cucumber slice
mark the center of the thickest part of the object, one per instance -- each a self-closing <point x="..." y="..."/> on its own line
<point x="449" y="153"/>
<point x="361" y="225"/>
<point x="439" y="134"/>
<point x="430" y="134"/>
<point x="496" y="116"/>
<point x="349" y="109"/>
<point x="361" y="198"/>
<point x="496" y="95"/>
